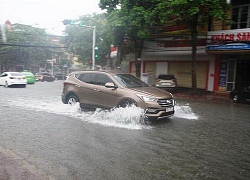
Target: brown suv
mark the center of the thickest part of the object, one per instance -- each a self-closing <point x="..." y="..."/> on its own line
<point x="108" y="90"/>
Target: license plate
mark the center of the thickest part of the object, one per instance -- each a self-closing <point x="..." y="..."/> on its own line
<point x="166" y="84"/>
<point x="169" y="109"/>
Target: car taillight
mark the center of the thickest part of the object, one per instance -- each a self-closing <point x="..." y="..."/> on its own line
<point x="174" y="80"/>
<point x="158" y="80"/>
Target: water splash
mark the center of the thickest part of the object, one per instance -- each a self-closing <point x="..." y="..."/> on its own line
<point x="128" y="118"/>
<point x="185" y="111"/>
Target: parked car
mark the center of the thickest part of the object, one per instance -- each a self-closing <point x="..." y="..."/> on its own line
<point x="59" y="76"/>
<point x="29" y="76"/>
<point x="166" y="81"/>
<point x="47" y="77"/>
<point x="108" y="90"/>
<point x="240" y="95"/>
<point x="8" y="79"/>
<point x="44" y="77"/>
<point x="38" y="76"/>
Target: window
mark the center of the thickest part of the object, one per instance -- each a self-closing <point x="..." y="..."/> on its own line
<point x="102" y="79"/>
<point x="241" y="16"/>
<point x="3" y="75"/>
<point x="166" y="77"/>
<point x="16" y="74"/>
<point x="129" y="81"/>
<point x="87" y="78"/>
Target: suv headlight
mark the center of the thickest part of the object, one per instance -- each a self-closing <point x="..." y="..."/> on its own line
<point x="146" y="98"/>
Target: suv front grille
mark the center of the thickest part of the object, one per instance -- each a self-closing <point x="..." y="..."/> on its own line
<point x="165" y="102"/>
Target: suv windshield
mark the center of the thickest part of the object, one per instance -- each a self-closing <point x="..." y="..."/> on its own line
<point x="129" y="81"/>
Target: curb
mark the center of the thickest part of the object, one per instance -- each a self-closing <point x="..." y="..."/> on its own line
<point x="212" y="97"/>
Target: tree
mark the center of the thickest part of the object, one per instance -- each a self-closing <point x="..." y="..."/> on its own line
<point x="133" y="18"/>
<point x="138" y="17"/>
<point x="194" y="14"/>
<point x="25" y="45"/>
<point x="79" y="38"/>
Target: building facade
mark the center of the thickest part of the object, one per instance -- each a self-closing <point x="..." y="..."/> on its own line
<point x="231" y="49"/>
<point x="223" y="56"/>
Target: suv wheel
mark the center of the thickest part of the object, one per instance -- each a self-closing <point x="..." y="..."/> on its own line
<point x="127" y="102"/>
<point x="72" y="99"/>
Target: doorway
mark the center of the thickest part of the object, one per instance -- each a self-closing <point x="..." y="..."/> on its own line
<point x="243" y="73"/>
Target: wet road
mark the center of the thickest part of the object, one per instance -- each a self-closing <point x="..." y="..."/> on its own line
<point x="202" y="141"/>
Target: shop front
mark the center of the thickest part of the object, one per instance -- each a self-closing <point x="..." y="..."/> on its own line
<point x="176" y="61"/>
<point x="232" y="51"/>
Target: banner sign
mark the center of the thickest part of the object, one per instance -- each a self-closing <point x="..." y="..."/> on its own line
<point x="229" y="40"/>
<point x="223" y="76"/>
<point x="233" y="46"/>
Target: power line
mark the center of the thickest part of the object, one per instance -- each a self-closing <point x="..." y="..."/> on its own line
<point x="28" y="45"/>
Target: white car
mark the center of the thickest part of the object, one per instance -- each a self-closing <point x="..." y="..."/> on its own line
<point x="8" y="79"/>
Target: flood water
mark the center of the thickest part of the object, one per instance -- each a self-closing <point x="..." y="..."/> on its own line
<point x="202" y="140"/>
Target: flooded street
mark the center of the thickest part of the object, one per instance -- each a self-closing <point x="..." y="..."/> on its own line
<point x="202" y="141"/>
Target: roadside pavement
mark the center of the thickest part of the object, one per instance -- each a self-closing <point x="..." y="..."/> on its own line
<point x="202" y="95"/>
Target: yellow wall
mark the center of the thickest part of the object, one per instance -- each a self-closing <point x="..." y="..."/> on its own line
<point x="182" y="72"/>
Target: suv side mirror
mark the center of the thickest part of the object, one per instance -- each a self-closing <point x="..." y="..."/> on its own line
<point x="110" y="85"/>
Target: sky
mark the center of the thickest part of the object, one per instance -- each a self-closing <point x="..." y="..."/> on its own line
<point x="47" y="14"/>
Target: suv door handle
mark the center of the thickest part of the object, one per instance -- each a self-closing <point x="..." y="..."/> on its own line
<point x="96" y="90"/>
<point x="77" y="85"/>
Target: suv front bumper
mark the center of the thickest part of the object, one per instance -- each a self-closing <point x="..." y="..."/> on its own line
<point x="159" y="113"/>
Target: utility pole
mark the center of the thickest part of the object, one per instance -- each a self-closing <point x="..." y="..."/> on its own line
<point x="93" y="48"/>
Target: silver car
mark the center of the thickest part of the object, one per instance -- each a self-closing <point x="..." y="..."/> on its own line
<point x="166" y="81"/>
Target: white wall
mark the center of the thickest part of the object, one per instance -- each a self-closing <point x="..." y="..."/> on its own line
<point x="210" y="83"/>
<point x="161" y="68"/>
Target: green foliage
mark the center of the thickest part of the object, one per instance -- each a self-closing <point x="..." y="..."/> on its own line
<point x="23" y="47"/>
<point x="110" y="5"/>
<point x="134" y="18"/>
<point x="194" y="14"/>
<point x="138" y="18"/>
<point x="187" y="11"/>
<point x="79" y="38"/>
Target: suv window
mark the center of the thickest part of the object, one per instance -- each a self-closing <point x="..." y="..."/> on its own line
<point x="87" y="78"/>
<point x="129" y="81"/>
<point x="102" y="79"/>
